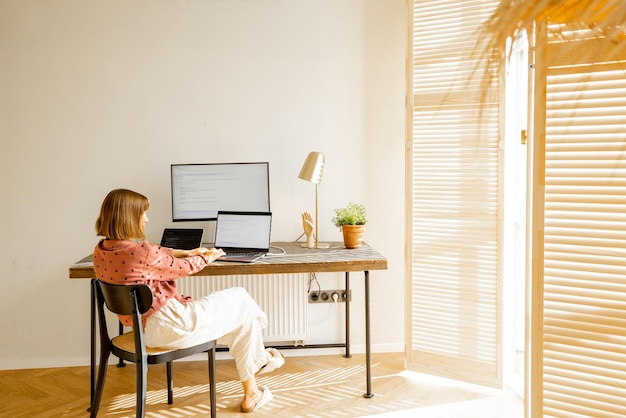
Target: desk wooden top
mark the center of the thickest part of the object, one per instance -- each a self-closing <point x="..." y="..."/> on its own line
<point x="295" y="259"/>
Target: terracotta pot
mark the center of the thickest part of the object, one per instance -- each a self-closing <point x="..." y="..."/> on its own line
<point x="353" y="235"/>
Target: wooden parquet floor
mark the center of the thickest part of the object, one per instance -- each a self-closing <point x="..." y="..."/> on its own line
<point x="314" y="386"/>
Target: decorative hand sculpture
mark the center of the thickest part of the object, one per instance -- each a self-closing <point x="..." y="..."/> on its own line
<point x="307" y="223"/>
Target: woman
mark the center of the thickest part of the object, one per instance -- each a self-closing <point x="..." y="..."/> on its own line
<point x="174" y="321"/>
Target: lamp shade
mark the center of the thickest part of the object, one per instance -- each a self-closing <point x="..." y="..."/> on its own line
<point x="312" y="168"/>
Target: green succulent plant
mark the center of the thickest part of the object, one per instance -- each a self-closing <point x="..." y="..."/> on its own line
<point x="352" y="214"/>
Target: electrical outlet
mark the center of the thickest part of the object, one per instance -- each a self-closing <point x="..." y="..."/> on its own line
<point x="329" y="296"/>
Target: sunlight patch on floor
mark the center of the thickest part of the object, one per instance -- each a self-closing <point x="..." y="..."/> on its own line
<point x="336" y="393"/>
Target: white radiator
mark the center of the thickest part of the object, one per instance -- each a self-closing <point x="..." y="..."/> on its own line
<point x="282" y="297"/>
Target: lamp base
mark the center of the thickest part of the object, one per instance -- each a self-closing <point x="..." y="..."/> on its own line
<point x="319" y="245"/>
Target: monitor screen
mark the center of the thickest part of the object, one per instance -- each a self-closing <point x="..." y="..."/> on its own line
<point x="200" y="190"/>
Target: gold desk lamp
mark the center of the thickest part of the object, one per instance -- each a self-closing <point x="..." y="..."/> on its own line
<point x="312" y="172"/>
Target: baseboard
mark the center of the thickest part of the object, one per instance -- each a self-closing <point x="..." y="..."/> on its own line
<point x="308" y="352"/>
<point x="45" y="363"/>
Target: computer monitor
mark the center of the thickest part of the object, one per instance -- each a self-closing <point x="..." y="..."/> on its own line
<point x="200" y="190"/>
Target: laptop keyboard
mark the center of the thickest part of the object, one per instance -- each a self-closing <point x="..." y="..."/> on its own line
<point x="246" y="253"/>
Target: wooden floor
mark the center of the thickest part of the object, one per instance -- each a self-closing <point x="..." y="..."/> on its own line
<point x="315" y="386"/>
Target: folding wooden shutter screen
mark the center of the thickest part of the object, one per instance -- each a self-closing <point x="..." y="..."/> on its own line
<point x="579" y="369"/>
<point x="454" y="195"/>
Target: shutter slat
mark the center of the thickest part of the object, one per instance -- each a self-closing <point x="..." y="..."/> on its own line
<point x="455" y="163"/>
<point x="584" y="290"/>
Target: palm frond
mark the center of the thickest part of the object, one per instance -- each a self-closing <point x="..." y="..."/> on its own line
<point x="605" y="19"/>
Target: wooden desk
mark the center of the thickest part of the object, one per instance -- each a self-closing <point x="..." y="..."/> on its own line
<point x="294" y="259"/>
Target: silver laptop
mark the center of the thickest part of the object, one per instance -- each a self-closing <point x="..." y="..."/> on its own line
<point x="244" y="236"/>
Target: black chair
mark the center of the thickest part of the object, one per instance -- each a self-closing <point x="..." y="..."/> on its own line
<point x="135" y="300"/>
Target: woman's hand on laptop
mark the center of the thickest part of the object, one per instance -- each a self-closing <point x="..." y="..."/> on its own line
<point x="211" y="253"/>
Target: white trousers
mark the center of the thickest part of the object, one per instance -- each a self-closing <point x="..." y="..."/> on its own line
<point x="231" y="316"/>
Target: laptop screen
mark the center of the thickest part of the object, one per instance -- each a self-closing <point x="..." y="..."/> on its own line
<point x="182" y="239"/>
<point x="243" y="230"/>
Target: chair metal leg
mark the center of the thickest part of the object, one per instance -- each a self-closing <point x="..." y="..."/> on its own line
<point x="170" y="385"/>
<point x="102" y="372"/>
<point x="212" y="388"/>
<point x="120" y="361"/>
<point x="142" y="383"/>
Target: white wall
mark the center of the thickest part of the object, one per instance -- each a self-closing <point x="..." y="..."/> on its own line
<point x="108" y="93"/>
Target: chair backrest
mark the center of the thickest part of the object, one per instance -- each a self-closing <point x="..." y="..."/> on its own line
<point x="119" y="298"/>
<point x="131" y="300"/>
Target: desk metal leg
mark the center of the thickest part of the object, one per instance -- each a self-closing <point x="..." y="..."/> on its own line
<point x="368" y="356"/>
<point x="92" y="366"/>
<point x="347" y="287"/>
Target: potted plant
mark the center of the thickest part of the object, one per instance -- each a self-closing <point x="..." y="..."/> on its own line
<point x="351" y="220"/>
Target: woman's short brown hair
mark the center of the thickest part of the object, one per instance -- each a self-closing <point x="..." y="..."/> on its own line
<point x="120" y="215"/>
